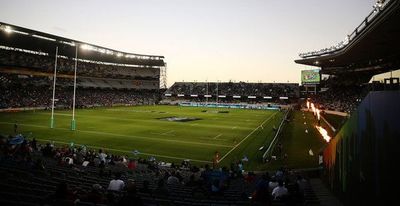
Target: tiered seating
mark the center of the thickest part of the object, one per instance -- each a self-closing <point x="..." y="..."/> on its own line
<point x="22" y="185"/>
<point x="35" y="91"/>
<point x="42" y="63"/>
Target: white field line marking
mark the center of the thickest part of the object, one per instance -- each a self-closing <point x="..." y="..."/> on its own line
<point x="246" y="137"/>
<point x="121" y="135"/>
<point x="118" y="150"/>
<point x="166" y="133"/>
<point x="146" y="120"/>
<point x="217" y="136"/>
<point x="234" y="127"/>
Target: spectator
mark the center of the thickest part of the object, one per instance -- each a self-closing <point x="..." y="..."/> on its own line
<point x="130" y="198"/>
<point x="95" y="195"/>
<point x="280" y="191"/>
<point x="116" y="184"/>
<point x="191" y="182"/>
<point x="47" y="151"/>
<point x="102" y="155"/>
<point x="145" y="188"/>
<point x="272" y="184"/>
<point x="261" y="194"/>
<point x="63" y="196"/>
<point x="161" y="189"/>
<point x="172" y="179"/>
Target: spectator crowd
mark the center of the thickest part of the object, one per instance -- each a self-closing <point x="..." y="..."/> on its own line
<point x="104" y="178"/>
<point x="66" y="66"/>
<point x="236" y="89"/>
<point x="34" y="91"/>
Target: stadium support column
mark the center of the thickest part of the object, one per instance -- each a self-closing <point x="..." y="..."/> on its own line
<point x="54" y="91"/>
<point x="73" y="122"/>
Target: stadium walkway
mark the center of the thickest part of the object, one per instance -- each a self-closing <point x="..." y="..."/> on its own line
<point x="325" y="196"/>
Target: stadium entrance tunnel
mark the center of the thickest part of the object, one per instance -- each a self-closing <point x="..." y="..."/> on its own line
<point x="179" y="119"/>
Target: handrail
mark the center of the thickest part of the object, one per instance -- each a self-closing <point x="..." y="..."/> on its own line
<point x="271" y="145"/>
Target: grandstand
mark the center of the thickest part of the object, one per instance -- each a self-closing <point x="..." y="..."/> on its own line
<point x="234" y="92"/>
<point x="357" y="161"/>
<point x="198" y="143"/>
<point x="105" y="77"/>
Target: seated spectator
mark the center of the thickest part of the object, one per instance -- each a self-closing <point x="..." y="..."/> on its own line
<point x="280" y="191"/>
<point x="172" y="179"/>
<point x="102" y="155"/>
<point x="215" y="187"/>
<point x="161" y="189"/>
<point x="63" y="196"/>
<point x="95" y="195"/>
<point x="47" y="151"/>
<point x="39" y="166"/>
<point x="261" y="194"/>
<point x="34" y="144"/>
<point x="191" y="182"/>
<point x="116" y="184"/>
<point x="301" y="182"/>
<point x="130" y="197"/>
<point x="272" y="184"/>
<point x="132" y="165"/>
<point x="145" y="188"/>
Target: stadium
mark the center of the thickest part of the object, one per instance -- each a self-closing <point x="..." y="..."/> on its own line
<point x="86" y="124"/>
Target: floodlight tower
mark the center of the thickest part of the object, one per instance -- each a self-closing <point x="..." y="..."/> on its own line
<point x="163" y="76"/>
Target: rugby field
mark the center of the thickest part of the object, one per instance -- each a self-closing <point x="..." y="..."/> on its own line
<point x="155" y="131"/>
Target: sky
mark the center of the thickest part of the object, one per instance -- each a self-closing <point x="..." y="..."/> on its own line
<point x="225" y="40"/>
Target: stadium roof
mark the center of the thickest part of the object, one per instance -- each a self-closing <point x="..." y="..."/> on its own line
<point x="28" y="39"/>
<point x="373" y="48"/>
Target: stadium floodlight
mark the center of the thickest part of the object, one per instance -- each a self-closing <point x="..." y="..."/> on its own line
<point x="8" y="29"/>
<point x="86" y="47"/>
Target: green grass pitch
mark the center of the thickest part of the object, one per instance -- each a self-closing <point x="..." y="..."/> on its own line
<point x="124" y="129"/>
